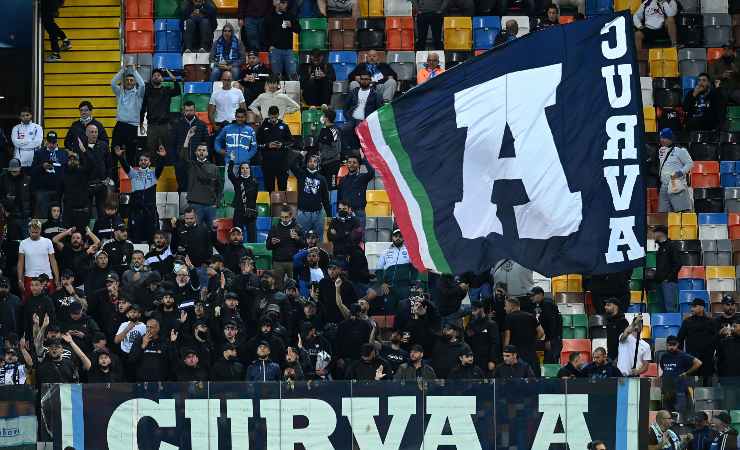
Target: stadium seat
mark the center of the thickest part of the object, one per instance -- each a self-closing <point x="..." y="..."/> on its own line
<point x="485" y="30"/>
<point x="714" y="7"/>
<point x="582" y="346"/>
<point x="717" y="27"/>
<point x="705" y="174"/>
<point x="648" y="113"/>
<point x="598" y="7"/>
<point x="371" y="8"/>
<point x="310" y="122"/>
<point x="171" y="61"/>
<point x="667" y="92"/>
<point x="139" y="36"/>
<point x="728" y="174"/>
<point x="687" y="84"/>
<point x="665" y="324"/>
<point x="454" y="58"/>
<point x="690" y="31"/>
<point x="646" y="89"/>
<point x="399" y="33"/>
<point x="652" y="371"/>
<point x="720" y="278"/>
<point x="714" y="54"/>
<point x="632" y="5"/>
<point x="198" y="93"/>
<point x="686" y="297"/>
<point x="732" y="200"/>
<point x="397" y="8"/>
<point x="139" y="9"/>
<point x="371" y="33"/>
<point x="550" y="370"/>
<point x="227" y="7"/>
<point x="343" y="63"/>
<point x="567" y="283"/>
<point x="458" y="33"/>
<point x="663" y="62"/>
<point x="168" y="35"/>
<point x="293" y="120"/>
<point x="196" y="67"/>
<point x="692" y="61"/>
<point x="313" y="34"/>
<point x="164" y="9"/>
<point x="342" y="32"/>
<point x="708" y="200"/>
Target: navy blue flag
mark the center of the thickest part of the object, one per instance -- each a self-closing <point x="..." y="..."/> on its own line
<point x="530" y="152"/>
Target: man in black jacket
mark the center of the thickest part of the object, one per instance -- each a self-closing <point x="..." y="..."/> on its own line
<point x="353" y="187"/>
<point x="156" y="109"/>
<point x="313" y="196"/>
<point x="344" y="230"/>
<point x="447" y="350"/>
<point x="699" y="334"/>
<point x="382" y="75"/>
<point x="702" y="105"/>
<point x="616" y="323"/>
<point x="228" y="367"/>
<point x="548" y="315"/>
<point x="184" y="149"/>
<point x="191" y="238"/>
<point x="100" y="164"/>
<point x="254" y="76"/>
<point x="360" y="103"/>
<point x="278" y="37"/>
<point x="482" y="335"/>
<point x="512" y="366"/>
<point x="317" y="78"/>
<point x="667" y="265"/>
<point x="369" y="367"/>
<point x="284" y="240"/>
<point x="466" y="369"/>
<point x="77" y="129"/>
<point x="274" y="140"/>
<point x="149" y="355"/>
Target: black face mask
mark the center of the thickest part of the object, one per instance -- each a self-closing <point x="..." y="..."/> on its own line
<point x="202" y="335"/>
<point x="343" y="214"/>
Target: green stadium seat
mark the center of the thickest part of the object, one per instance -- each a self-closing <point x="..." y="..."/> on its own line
<point x="262" y="256"/>
<point x="550" y="370"/>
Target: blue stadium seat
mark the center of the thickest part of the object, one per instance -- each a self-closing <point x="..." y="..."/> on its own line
<point x="596" y="7"/>
<point x="665" y="320"/>
<point x="172" y="61"/>
<point x="198" y="87"/>
<point x="712" y="219"/>
<point x="340" y="118"/>
<point x="689" y="296"/>
<point x="263" y="223"/>
<point x="729" y="174"/>
<point x="691" y="284"/>
<point x="637" y="308"/>
<point x="485" y="30"/>
<point x="343" y="63"/>
<point x="688" y="84"/>
<point x="168" y="35"/>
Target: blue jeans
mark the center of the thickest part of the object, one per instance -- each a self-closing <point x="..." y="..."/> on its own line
<point x="253" y="29"/>
<point x="216" y="73"/>
<point x="283" y="62"/>
<point x="206" y="214"/>
<point x="669" y="290"/>
<point x="312" y="220"/>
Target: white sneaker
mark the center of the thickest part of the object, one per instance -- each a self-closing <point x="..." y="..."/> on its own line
<point x="53" y="57"/>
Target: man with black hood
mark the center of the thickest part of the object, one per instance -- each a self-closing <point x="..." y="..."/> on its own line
<point x="334" y="286"/>
<point x="344" y="230"/>
<point x="228" y="367"/>
<point x="104" y="368"/>
<point x="232" y="251"/>
<point x="167" y="313"/>
<point x="80" y="326"/>
<point x="266" y="334"/>
<point x="615" y="326"/>
<point x="119" y="250"/>
<point x="102" y="305"/>
<point x="284" y="240"/>
<point x="483" y="337"/>
<point x="466" y="369"/>
<point x="369" y="366"/>
<point x="14" y="198"/>
<point x="186" y="362"/>
<point x="447" y="350"/>
<point x="353" y="332"/>
<point x="97" y="274"/>
<point x="317" y="348"/>
<point x="10" y="310"/>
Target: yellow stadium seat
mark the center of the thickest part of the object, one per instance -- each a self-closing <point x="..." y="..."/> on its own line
<point x="663" y="69"/>
<point x="167" y="181"/>
<point x="296" y="44"/>
<point x="560" y="283"/>
<point x="648" y="113"/>
<point x="645" y="333"/>
<point x="720" y="272"/>
<point x="688" y="219"/>
<point x="575" y="283"/>
<point x="674" y="218"/>
<point x="292" y="184"/>
<point x="294" y="122"/>
<point x="632" y="5"/>
<point x="674" y="232"/>
<point x="689" y="232"/>
<point x="377" y="196"/>
<point x="663" y="54"/>
<point x="372" y="8"/>
<point x="227" y="6"/>
<point x="378" y="209"/>
<point x="263" y="197"/>
<point x="458" y="33"/>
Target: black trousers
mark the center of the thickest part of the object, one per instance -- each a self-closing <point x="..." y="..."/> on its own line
<point x="247" y="225"/>
<point x="272" y="171"/>
<point x="55" y="33"/>
<point x="433" y="21"/>
<point x="126" y="135"/>
<point x="143" y="222"/>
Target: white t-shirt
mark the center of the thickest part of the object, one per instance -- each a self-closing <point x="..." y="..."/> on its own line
<point x="36" y="255"/>
<point x="362" y="96"/>
<point x="137" y="331"/>
<point x="226" y="103"/>
<point x="316" y="274"/>
<point x="626" y="355"/>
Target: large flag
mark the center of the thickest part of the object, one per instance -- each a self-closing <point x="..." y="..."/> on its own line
<point x="530" y="151"/>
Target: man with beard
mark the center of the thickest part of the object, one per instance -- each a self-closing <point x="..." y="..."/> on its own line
<point x="204" y="186"/>
<point x="167" y="313"/>
<point x="316" y="80"/>
<point x="253" y="77"/>
<point x="143" y="218"/>
<point x="187" y="132"/>
<point x="160" y="257"/>
<point x="103" y="304"/>
<point x="137" y="273"/>
<point x="156" y="108"/>
<point x="447" y="350"/>
<point x="73" y="255"/>
<point x="284" y="240"/>
<point x="119" y="250"/>
<point x="188" y="367"/>
<point x="198" y="337"/>
<point x="106" y="224"/>
<point x="229" y="312"/>
<point x="27" y="137"/>
<point x="192" y="237"/>
<point x="369" y="366"/>
<point x="729" y="313"/>
<point x="466" y="369"/>
<point x="344" y="230"/>
<point x="328" y="290"/>
<point x="415" y="369"/>
<point x="36" y="258"/>
<point x="310" y="266"/>
<point x="233" y="251"/>
<point x="37" y="304"/>
<point x="353" y="187"/>
<point x="78" y="128"/>
<point x="318" y="350"/>
<point x="313" y="195"/>
<point x="80" y="326"/>
<point x="14" y="198"/>
<point x="483" y="337"/>
<point x="228" y="367"/>
<point x="68" y="294"/>
<point x="548" y="316"/>
<point x="352" y="334"/>
<point x="101" y="164"/>
<point x="57" y="369"/>
<point x="149" y="355"/>
<point x="699" y="333"/>
<point x="395" y="273"/>
<point x="263" y="368"/>
<point x="615" y="326"/>
<point x="128" y="332"/>
<point x="266" y="334"/>
<point x="98" y="274"/>
<point x="393" y="353"/>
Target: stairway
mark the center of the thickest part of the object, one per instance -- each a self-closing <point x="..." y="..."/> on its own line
<point x="84" y="73"/>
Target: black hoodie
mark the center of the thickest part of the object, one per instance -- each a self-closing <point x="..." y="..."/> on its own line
<point x="287" y="247"/>
<point x="228" y="370"/>
<point x="152" y="363"/>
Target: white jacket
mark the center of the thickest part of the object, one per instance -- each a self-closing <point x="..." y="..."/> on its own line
<point x="26" y="140"/>
<point x="393" y="256"/>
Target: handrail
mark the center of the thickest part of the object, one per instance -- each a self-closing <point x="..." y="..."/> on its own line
<point x="37" y="87"/>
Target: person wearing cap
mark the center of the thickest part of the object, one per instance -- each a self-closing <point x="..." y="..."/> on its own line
<point x="155" y="108"/>
<point x="729" y="312"/>
<point x="344" y="230"/>
<point x="27" y="137"/>
<point x="129" y="331"/>
<point x="702" y="105"/>
<point x="316" y="79"/>
<point x="14" y="196"/>
<point x="263" y="368"/>
<point x="228" y="367"/>
<point x="55" y="368"/>
<point x="193" y="236"/>
<point x="51" y="152"/>
<point x="44" y="186"/>
<point x="522" y="330"/>
<point x="548" y="315"/>
<point x="727" y="436"/>
<point x="698" y="335"/>
<point x="186" y="364"/>
<point x="313" y="195"/>
<point x="232" y="251"/>
<point x="106" y="368"/>
<point x="466" y="369"/>
<point x="143" y="216"/>
<point x="512" y="366"/>
<point x="278" y="38"/>
<point x="677" y="366"/>
<point x="77" y="129"/>
<point x="128" y="87"/>
<point x="415" y="369"/>
<point x="106" y="224"/>
<point x="667" y="266"/>
<point x="395" y="273"/>
<point x="36" y="257"/>
<point x="102" y="303"/>
<point x="119" y="250"/>
<point x="483" y="337"/>
<point x="310" y="265"/>
<point x="253" y="77"/>
<point x="317" y="348"/>
<point x="675" y="164"/>
<point x="199" y="18"/>
<point x="246" y="188"/>
<point x="97" y="274"/>
<point x="615" y="325"/>
<point x="13" y="370"/>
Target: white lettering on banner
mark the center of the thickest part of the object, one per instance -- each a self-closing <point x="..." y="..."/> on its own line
<point x="361" y="412"/>
<point x="282" y="435"/>
<point x="204" y="412"/>
<point x="124" y="421"/>
<point x="518" y="99"/>
<point x="620" y="128"/>
<point x="624" y="71"/>
<point x="620" y="49"/>
<point x="459" y="412"/>
<point x="569" y="409"/>
<point x="622" y="199"/>
<point x="239" y="411"/>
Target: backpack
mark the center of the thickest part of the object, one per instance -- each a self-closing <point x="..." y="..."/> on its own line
<point x="330" y="146"/>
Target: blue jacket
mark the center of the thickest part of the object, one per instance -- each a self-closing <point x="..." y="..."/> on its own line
<point x="237" y="139"/>
<point x="58" y="158"/>
<point x="128" y="101"/>
<point x="263" y="371"/>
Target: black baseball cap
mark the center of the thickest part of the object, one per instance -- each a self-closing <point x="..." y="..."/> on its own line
<point x="51" y="136"/>
<point x="699" y="302"/>
<point x="417" y="348"/>
<point x="111" y="277"/>
<point x="728" y="300"/>
<point x="510" y="349"/>
<point x="537" y="290"/>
